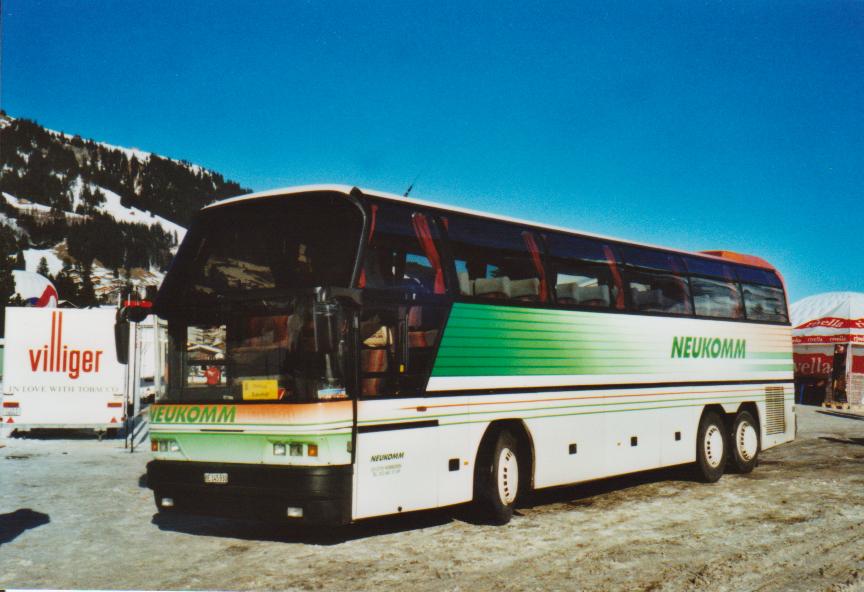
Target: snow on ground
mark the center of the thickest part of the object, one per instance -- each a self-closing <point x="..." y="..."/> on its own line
<point x="111" y="206"/>
<point x="78" y="514"/>
<point x="121" y="213"/>
<point x="11" y="223"/>
<point x="24" y="205"/>
<point x="29" y="207"/>
<point x="32" y="257"/>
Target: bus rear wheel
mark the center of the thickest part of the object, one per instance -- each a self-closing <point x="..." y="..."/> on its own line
<point x="497" y="484"/>
<point x="744" y="438"/>
<point x="711" y="447"/>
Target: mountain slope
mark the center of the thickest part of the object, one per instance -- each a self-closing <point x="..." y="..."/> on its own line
<point x="101" y="216"/>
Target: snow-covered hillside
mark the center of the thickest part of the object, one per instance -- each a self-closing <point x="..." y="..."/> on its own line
<point x="96" y="213"/>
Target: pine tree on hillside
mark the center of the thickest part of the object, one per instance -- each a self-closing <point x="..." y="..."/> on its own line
<point x="43" y="268"/>
<point x="86" y="294"/>
<point x="67" y="287"/>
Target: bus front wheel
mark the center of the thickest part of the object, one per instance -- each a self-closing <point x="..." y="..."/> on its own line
<point x="711" y="447"/>
<point x="498" y="479"/>
<point x="745" y="443"/>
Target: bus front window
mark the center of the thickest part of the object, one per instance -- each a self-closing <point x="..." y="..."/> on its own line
<point x="256" y="356"/>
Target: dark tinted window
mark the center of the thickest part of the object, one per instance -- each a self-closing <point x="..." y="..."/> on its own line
<point x="389" y="366"/>
<point x="584" y="272"/>
<point x="751" y="275"/>
<point x="656" y="281"/>
<point x="651" y="259"/>
<point x="403" y="250"/>
<point x="709" y="267"/>
<point x="496" y="260"/>
<point x="275" y="244"/>
<point x="716" y="298"/>
<point x="654" y="291"/>
<point x="764" y="303"/>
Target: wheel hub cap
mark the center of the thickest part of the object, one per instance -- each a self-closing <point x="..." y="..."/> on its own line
<point x="508" y="476"/>
<point x="747" y="441"/>
<point x="714" y="446"/>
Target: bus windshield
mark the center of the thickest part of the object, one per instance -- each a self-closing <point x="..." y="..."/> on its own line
<point x="239" y="299"/>
<point x="263" y="354"/>
<point x="268" y="245"/>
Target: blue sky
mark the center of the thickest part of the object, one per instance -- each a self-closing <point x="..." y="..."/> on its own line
<point x="715" y="125"/>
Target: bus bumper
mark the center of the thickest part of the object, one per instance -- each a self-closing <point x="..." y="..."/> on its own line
<point x="263" y="492"/>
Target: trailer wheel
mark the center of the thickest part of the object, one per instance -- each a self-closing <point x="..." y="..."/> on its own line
<point x="745" y="444"/>
<point x="497" y="484"/>
<point x="711" y="447"/>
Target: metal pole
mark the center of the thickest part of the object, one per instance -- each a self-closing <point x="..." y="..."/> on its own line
<point x="136" y="395"/>
<point x="157" y="357"/>
<point x="126" y="400"/>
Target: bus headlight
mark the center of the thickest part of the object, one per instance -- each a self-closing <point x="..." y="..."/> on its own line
<point x="279" y="449"/>
<point x="165" y="446"/>
<point x="292" y="512"/>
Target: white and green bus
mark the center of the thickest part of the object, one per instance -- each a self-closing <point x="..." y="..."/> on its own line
<point x="337" y="354"/>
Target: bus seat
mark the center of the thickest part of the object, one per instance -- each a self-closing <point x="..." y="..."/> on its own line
<point x="567" y="293"/>
<point x="415" y="317"/>
<point x="492" y="287"/>
<point x="649" y="299"/>
<point x="370" y="387"/>
<point x="527" y="289"/>
<point x="593" y="295"/>
<point x="373" y="360"/>
<point x="465" y="283"/>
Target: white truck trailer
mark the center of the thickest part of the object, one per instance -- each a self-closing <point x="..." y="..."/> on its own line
<point x="61" y="370"/>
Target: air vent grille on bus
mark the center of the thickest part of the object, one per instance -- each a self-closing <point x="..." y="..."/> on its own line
<point x="775" y="410"/>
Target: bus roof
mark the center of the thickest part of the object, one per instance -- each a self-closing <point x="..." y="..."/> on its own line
<point x="726" y="256"/>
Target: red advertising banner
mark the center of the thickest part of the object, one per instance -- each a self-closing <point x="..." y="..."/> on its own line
<point x="848" y="338"/>
<point x="858" y="364"/>
<point x="833" y="323"/>
<point x="814" y="364"/>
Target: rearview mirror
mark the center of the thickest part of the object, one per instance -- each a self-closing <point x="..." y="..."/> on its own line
<point x="136" y="314"/>
<point x="121" y="339"/>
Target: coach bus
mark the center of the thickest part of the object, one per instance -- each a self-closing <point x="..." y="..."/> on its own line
<point x="337" y="354"/>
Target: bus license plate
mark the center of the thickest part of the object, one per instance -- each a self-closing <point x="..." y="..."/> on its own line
<point x="217" y="478"/>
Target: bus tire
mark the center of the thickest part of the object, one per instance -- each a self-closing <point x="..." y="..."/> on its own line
<point x="744" y="442"/>
<point x="711" y="447"/>
<point x="498" y="479"/>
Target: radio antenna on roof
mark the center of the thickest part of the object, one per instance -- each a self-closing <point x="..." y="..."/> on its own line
<point x="411" y="186"/>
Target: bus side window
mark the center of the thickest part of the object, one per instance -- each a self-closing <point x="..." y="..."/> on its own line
<point x="403" y="251"/>
<point x="656" y="281"/>
<point x="764" y="299"/>
<point x="715" y="288"/>
<point x="497" y="260"/>
<point x="716" y="298"/>
<point x="764" y="303"/>
<point x="581" y="272"/>
<point x="386" y="336"/>
<point x="377" y="353"/>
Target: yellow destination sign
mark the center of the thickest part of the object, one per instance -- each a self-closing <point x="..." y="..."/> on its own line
<point x="259" y="390"/>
